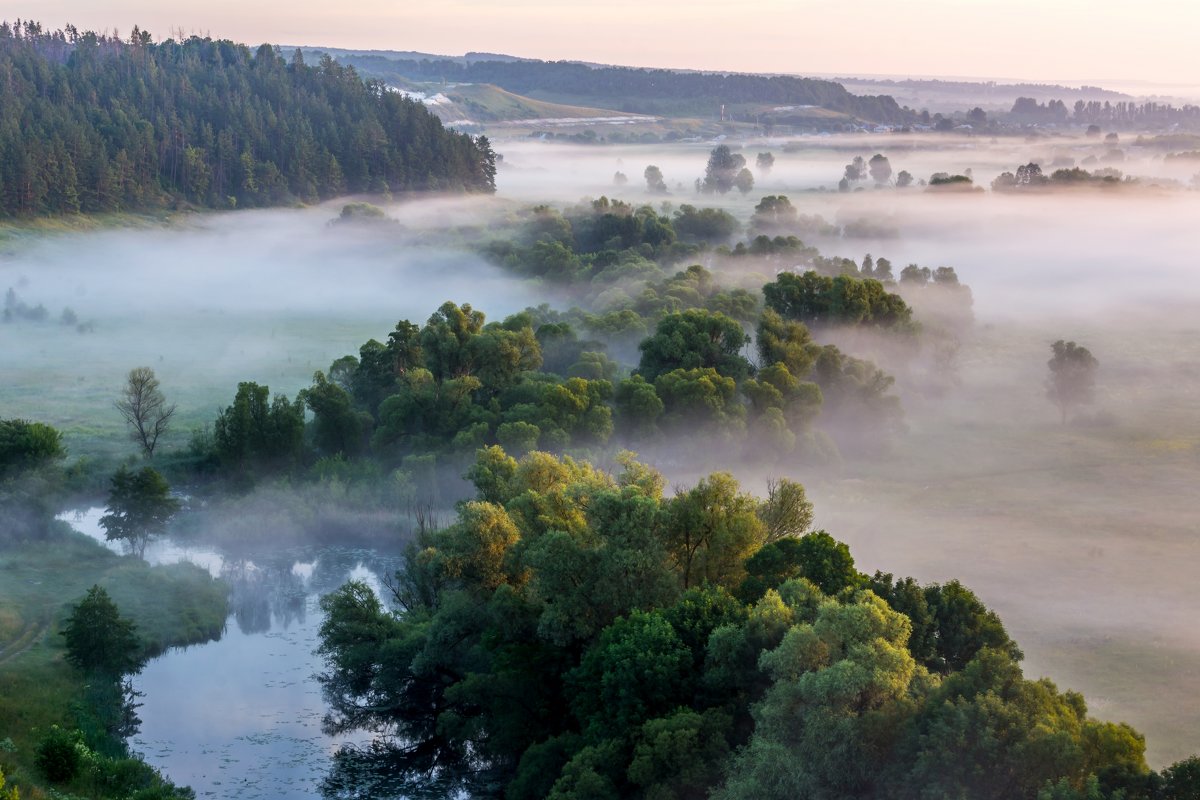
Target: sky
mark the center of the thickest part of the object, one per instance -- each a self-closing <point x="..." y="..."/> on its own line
<point x="1041" y="40"/>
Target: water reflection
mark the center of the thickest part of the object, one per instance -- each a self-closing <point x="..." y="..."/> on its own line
<point x="158" y="551"/>
<point x="381" y="771"/>
<point x="242" y="716"/>
<point x="261" y="596"/>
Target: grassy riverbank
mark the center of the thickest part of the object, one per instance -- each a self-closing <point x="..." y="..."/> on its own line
<point x="39" y="583"/>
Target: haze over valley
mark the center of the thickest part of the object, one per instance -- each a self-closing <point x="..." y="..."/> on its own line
<point x="515" y="416"/>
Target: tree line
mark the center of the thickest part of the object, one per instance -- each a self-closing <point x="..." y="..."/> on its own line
<point x="578" y="634"/>
<point x="92" y="123"/>
<point x="1123" y="112"/>
<point x="531" y="382"/>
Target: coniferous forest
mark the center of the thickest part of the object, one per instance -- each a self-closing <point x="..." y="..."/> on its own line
<point x="92" y="123"/>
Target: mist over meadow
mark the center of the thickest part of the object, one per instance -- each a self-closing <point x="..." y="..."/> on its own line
<point x="1081" y="536"/>
<point x="269" y="296"/>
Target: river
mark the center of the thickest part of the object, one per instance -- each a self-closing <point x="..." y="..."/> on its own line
<point x="241" y="716"/>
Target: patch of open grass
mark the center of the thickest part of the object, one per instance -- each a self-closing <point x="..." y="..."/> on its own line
<point x="15" y="230"/>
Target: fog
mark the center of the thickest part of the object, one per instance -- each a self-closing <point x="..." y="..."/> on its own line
<point x="535" y="169"/>
<point x="1083" y="537"/>
<point x="211" y="300"/>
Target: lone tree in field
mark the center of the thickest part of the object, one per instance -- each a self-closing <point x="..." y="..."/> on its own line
<point x="880" y="169"/>
<point x="724" y="167"/>
<point x="145" y="409"/>
<point x="655" y="184"/>
<point x="139" y="507"/>
<point x="1072" y="379"/>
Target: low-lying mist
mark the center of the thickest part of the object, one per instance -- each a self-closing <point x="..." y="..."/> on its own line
<point x="265" y="296"/>
<point x="536" y="170"/>
<point x="1082" y="536"/>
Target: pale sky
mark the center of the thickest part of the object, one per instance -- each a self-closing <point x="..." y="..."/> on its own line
<point x="1044" y="40"/>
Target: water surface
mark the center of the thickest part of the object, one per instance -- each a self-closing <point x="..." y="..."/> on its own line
<point x="241" y="716"/>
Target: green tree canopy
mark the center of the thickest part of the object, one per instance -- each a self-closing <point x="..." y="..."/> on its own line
<point x="695" y="339"/>
<point x="99" y="640"/>
<point x="774" y="214"/>
<point x="139" y="508"/>
<point x="820" y="300"/>
<point x="25" y="445"/>
<point x="724" y="166"/>
<point x="90" y="122"/>
<point x="573" y="635"/>
<point x="260" y="432"/>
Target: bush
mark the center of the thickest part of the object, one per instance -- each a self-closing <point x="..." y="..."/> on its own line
<point x="58" y="755"/>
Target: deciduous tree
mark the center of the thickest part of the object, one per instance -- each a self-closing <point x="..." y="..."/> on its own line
<point x="723" y="169"/>
<point x="27" y="444"/>
<point x="1072" y="379"/>
<point x="695" y="339"/>
<point x="880" y="169"/>
<point x="145" y="409"/>
<point x="655" y="183"/>
<point x="139" y="507"/>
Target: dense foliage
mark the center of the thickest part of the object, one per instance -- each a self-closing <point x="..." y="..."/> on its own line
<point x="1122" y="114"/>
<point x="819" y="300"/>
<point x="99" y="640"/>
<point x="654" y="353"/>
<point x="435" y="393"/>
<point x="139" y="507"/>
<point x="92" y="123"/>
<point x="257" y="432"/>
<point x="579" y="635"/>
<point x="26" y="445"/>
<point x="106" y="648"/>
<point x="30" y="477"/>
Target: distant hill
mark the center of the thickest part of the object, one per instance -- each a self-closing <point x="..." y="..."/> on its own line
<point x="399" y="55"/>
<point x="958" y="95"/>
<point x="482" y="104"/>
<point x="629" y="90"/>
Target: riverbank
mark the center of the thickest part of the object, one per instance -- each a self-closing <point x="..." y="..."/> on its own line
<point x="39" y="583"/>
<point x="265" y="734"/>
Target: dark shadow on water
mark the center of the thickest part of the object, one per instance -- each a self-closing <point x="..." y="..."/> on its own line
<point x="382" y="771"/>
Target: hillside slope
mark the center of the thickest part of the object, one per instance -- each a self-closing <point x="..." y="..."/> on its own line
<point x="637" y="91"/>
<point x="91" y="123"/>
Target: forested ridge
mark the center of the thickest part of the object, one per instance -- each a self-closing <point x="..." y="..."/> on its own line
<point x="650" y="91"/>
<point x="93" y="123"/>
